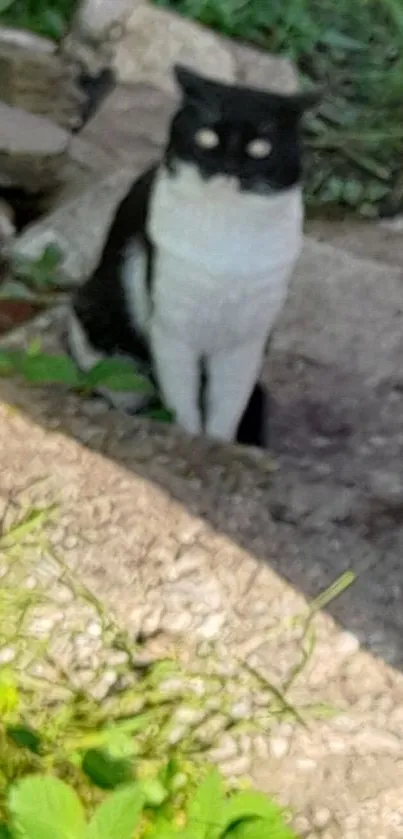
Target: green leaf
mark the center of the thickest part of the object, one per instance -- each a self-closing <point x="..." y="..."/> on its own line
<point x="54" y="25"/>
<point x="43" y="807"/>
<point x="42" y="369"/>
<point x="118" y="816"/>
<point x="9" y="697"/>
<point x="13" y="290"/>
<point x="24" y="737"/>
<point x="337" y="40"/>
<point x="4" y="830"/>
<point x="105" y="771"/>
<point x="154" y="792"/>
<point x="161" y="415"/>
<point x="248" y="805"/>
<point x="261" y="829"/>
<point x="52" y="255"/>
<point x="5" y="4"/>
<point x="117" y="374"/>
<point x="7" y="362"/>
<point x="205" y="809"/>
<point x="163" y="829"/>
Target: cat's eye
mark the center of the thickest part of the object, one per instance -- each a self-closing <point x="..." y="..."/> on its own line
<point x="259" y="148"/>
<point x="206" y="138"/>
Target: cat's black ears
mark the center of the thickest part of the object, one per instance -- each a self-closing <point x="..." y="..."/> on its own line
<point x="307" y="100"/>
<point x="192" y="85"/>
<point x="200" y="89"/>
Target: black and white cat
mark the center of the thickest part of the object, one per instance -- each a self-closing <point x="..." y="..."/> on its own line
<point x="197" y="263"/>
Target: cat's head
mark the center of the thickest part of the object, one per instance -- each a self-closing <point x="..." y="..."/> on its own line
<point x="252" y="135"/>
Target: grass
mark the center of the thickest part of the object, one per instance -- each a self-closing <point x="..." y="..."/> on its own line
<point x="49" y="724"/>
<point x="353" y="47"/>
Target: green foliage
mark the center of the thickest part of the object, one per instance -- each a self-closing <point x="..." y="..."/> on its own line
<point x="38" y="273"/>
<point x="38" y="368"/>
<point x="44" y="807"/>
<point x="45" y="17"/>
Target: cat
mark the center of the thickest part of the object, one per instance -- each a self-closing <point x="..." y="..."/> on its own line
<point x="197" y="263"/>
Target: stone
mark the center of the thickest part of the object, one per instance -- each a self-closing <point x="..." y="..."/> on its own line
<point x="320" y="322"/>
<point x="98" y="20"/>
<point x="236" y="766"/>
<point x="386" y="488"/>
<point x="33" y="150"/>
<point x="226" y="749"/>
<point x="7" y="226"/>
<point x="131" y="125"/>
<point x="34" y="77"/>
<point x="321" y="818"/>
<point x="155" y="40"/>
<point x="257" y="68"/>
<point x="68" y="228"/>
<point x="278" y="747"/>
<point x="211" y="626"/>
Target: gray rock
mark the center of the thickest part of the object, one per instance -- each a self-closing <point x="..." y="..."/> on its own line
<point x="7" y="228"/>
<point x="259" y="69"/>
<point x="116" y="132"/>
<point x="33" y="150"/>
<point x="98" y="20"/>
<point x="35" y="78"/>
<point x="155" y="39"/>
<point x="386" y="488"/>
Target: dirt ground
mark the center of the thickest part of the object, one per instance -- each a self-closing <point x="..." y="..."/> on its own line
<point x="382" y="241"/>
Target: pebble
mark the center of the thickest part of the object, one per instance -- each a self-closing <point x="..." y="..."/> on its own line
<point x="177" y="734"/>
<point x="321" y="818"/>
<point x="30" y="583"/>
<point x="152" y="622"/>
<point x="210" y="730"/>
<point x="237" y="766"/>
<point x="62" y="594"/>
<point x="177" y="623"/>
<point x="261" y="747"/>
<point x="94" y="629"/>
<point x="117" y="658"/>
<point x="173" y="685"/>
<point x="225" y="750"/>
<point x="189" y="716"/>
<point x="301" y="825"/>
<point x="347" y="643"/>
<point x="100" y="690"/>
<point x="241" y="710"/>
<point x="278" y="747"/>
<point x="211" y="627"/>
<point x="306" y="764"/>
<point x="386" y="487"/>
<point x="41" y="626"/>
<point x="7" y="654"/>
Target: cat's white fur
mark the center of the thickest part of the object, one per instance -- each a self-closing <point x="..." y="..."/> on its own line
<point x="222" y="268"/>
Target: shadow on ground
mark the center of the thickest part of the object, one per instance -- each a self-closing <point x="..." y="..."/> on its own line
<point x="322" y="502"/>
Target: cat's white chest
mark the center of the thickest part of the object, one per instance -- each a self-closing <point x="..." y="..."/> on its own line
<point x="223" y="257"/>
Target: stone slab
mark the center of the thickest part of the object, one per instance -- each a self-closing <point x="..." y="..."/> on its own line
<point x="33" y="150"/>
<point x="34" y="77"/>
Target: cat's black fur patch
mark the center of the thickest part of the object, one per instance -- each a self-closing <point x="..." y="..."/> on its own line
<point x="253" y="430"/>
<point x="100" y="303"/>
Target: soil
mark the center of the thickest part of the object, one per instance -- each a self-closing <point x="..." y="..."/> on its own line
<point x="16" y="312"/>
